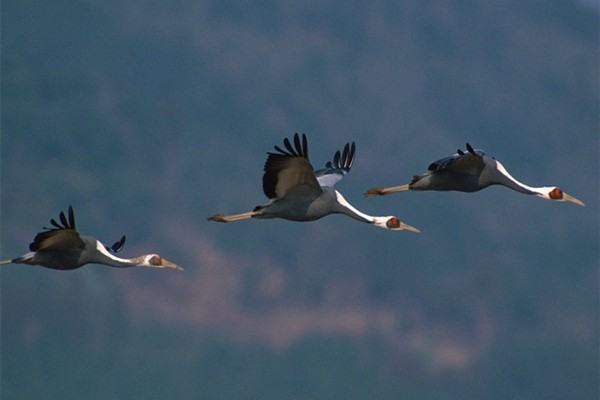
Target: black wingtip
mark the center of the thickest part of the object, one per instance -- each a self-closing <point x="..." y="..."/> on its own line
<point x="460" y="152"/>
<point x="297" y="143"/>
<point x="118" y="246"/>
<point x="351" y="157"/>
<point x="279" y="150"/>
<point x="336" y="159"/>
<point x="288" y="146"/>
<point x="299" y="147"/>
<point x="305" y="145"/>
<point x="345" y="155"/>
<point x="470" y="149"/>
<point x="63" y="220"/>
<point x="71" y="217"/>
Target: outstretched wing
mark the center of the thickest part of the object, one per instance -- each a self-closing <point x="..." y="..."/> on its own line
<point x="63" y="236"/>
<point x="287" y="169"/>
<point x="469" y="163"/>
<point x="335" y="170"/>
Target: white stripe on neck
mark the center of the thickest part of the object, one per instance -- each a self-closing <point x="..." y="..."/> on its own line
<point x="540" y="190"/>
<point x="344" y="203"/>
<point x="102" y="249"/>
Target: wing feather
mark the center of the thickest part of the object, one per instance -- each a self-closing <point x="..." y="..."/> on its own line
<point x="345" y="154"/>
<point x="305" y="146"/>
<point x="63" y="237"/>
<point x="335" y="170"/>
<point x="298" y="144"/>
<point x="469" y="163"/>
<point x="286" y="170"/>
<point x="63" y="220"/>
<point x="277" y="148"/>
<point x="289" y="147"/>
<point x="71" y="218"/>
<point x="118" y="246"/>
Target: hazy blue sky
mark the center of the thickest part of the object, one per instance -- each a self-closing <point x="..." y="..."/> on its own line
<point x="149" y="116"/>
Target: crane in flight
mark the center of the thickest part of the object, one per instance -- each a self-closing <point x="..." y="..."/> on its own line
<point x="62" y="247"/>
<point x="472" y="171"/>
<point x="298" y="193"/>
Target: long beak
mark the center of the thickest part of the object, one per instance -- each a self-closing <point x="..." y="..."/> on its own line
<point x="568" y="197"/>
<point x="407" y="227"/>
<point x="168" y="264"/>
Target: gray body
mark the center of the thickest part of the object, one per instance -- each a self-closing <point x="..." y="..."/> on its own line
<point x="445" y="180"/>
<point x="476" y="173"/>
<point x="299" y="193"/>
<point x="304" y="203"/>
<point x="61" y="247"/>
<point x="67" y="259"/>
<point x="472" y="171"/>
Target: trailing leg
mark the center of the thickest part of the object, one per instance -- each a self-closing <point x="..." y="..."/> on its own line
<point x="233" y="217"/>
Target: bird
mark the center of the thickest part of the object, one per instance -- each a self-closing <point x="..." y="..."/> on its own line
<point x="299" y="193"/>
<point x="472" y="171"/>
<point x="61" y="247"/>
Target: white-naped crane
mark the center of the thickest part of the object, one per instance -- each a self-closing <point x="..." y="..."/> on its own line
<point x="62" y="247"/>
<point x="472" y="171"/>
<point x="298" y="193"/>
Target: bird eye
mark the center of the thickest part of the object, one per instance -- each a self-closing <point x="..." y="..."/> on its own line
<point x="393" y="223"/>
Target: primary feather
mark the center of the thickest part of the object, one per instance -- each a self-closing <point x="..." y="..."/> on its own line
<point x="287" y="169"/>
<point x="335" y="170"/>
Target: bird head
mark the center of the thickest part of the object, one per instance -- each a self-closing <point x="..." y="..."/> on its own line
<point x="556" y="193"/>
<point x="394" y="224"/>
<point x="156" y="261"/>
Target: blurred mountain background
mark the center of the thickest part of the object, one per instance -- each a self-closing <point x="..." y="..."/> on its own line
<point x="149" y="116"/>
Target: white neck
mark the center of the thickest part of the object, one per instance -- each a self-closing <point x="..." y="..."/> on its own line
<point x="110" y="259"/>
<point x="349" y="210"/>
<point x="514" y="184"/>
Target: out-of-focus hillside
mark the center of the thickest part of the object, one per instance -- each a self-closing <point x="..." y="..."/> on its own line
<point x="148" y="117"/>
